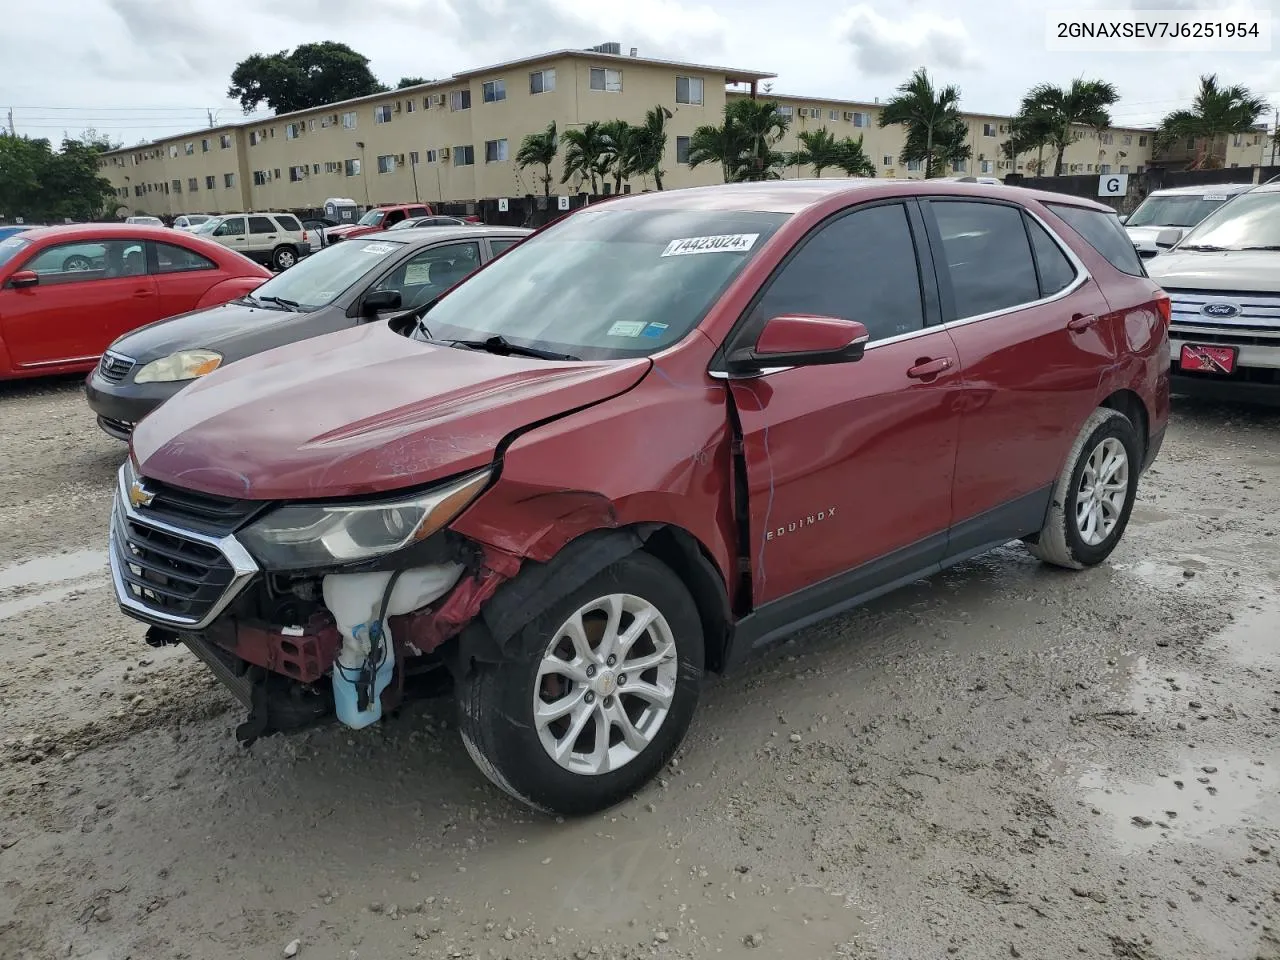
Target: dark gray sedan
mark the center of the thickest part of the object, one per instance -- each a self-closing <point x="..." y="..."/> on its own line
<point x="367" y="279"/>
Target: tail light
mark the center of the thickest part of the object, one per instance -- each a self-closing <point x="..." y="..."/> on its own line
<point x="304" y="234"/>
<point x="1165" y="307"/>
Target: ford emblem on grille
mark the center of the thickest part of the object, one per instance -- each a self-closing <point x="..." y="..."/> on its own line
<point x="1220" y="310"/>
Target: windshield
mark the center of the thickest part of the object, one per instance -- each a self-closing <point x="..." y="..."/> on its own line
<point x="372" y="218"/>
<point x="1175" y="211"/>
<point x="197" y="218"/>
<point x="1250" y="221"/>
<point x="605" y="284"/>
<point x="11" y="247"/>
<point x="208" y="226"/>
<point x="319" y="279"/>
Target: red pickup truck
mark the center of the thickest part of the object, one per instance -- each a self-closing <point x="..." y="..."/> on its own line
<point x="380" y="218"/>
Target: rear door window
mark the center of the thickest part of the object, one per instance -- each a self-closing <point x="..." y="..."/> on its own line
<point x="988" y="256"/>
<point x="419" y="212"/>
<point x="499" y="245"/>
<point x="1105" y="234"/>
<point x="262" y="225"/>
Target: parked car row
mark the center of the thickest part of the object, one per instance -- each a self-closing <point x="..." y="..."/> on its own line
<point x="626" y="451"/>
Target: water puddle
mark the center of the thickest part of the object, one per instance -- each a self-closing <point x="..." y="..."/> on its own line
<point x="1165" y="576"/>
<point x="57" y="568"/>
<point x="624" y="884"/>
<point x="33" y="601"/>
<point x="1199" y="798"/>
<point x="1252" y="637"/>
<point x="1143" y="688"/>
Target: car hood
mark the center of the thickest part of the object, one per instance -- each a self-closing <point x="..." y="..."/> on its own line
<point x="1250" y="271"/>
<point x="1144" y="238"/>
<point x="359" y="411"/>
<point x="210" y="328"/>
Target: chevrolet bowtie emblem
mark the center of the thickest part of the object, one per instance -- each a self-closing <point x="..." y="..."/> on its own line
<point x="140" y="496"/>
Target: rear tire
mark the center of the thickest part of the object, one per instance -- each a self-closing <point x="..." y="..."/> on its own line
<point x="563" y="728"/>
<point x="284" y="257"/>
<point x="1093" y="498"/>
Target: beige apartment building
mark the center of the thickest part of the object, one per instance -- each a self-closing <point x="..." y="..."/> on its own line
<point x="456" y="139"/>
<point x="1244" y="150"/>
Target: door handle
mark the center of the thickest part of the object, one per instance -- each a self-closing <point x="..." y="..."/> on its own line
<point x="926" y="368"/>
<point x="1081" y="321"/>
<point x="142" y="293"/>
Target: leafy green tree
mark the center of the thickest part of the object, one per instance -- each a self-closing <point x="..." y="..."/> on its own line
<point x="650" y="143"/>
<point x="744" y="144"/>
<point x="852" y="158"/>
<point x="936" y="133"/>
<point x="724" y="144"/>
<point x="586" y="153"/>
<point x="622" y="144"/>
<point x="1027" y="133"/>
<point x="39" y="184"/>
<point x="1217" y="113"/>
<point x="311" y="75"/>
<point x="539" y="150"/>
<point x="410" y="82"/>
<point x="1084" y="103"/>
<point x="818" y="149"/>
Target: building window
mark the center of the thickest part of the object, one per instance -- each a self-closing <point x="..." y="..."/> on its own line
<point x="542" y="81"/>
<point x="177" y="186"/>
<point x="204" y="145"/>
<point x="1128" y="140"/>
<point x="315" y="168"/>
<point x="190" y="148"/>
<point x="297" y="173"/>
<point x="1234" y="166"/>
<point x="786" y="111"/>
<point x="913" y="165"/>
<point x="293" y="131"/>
<point x="1142" y="142"/>
<point x="988" y="129"/>
<point x="413" y="158"/>
<point x="353" y="168"/>
<point x="261" y="178"/>
<point x="985" y="166"/>
<point x="494" y="90"/>
<point x="228" y="180"/>
<point x="431" y="156"/>
<point x="1124" y="168"/>
<point x="210" y="182"/>
<point x="682" y="149"/>
<point x="349" y="120"/>
<point x="886" y="161"/>
<point x="464" y="156"/>
<point x="382" y="114"/>
<point x="253" y="138"/>
<point x="1107" y="138"/>
<point x="610" y="81"/>
<point x="387" y="163"/>
<point x="1104" y="168"/>
<point x="224" y="141"/>
<point x="173" y="151"/>
<point x="193" y="184"/>
<point x="460" y="100"/>
<point x="688" y="89"/>
<point x="495" y="151"/>
<point x="960" y="165"/>
<point x="833" y="115"/>
<point x="410" y="105"/>
<point x="862" y="119"/>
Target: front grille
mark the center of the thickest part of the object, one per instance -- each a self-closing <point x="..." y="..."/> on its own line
<point x="1255" y="309"/>
<point x="203" y="512"/>
<point x="114" y="366"/>
<point x="171" y="576"/>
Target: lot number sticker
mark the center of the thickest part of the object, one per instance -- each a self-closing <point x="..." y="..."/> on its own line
<point x="725" y="243"/>
<point x="377" y="248"/>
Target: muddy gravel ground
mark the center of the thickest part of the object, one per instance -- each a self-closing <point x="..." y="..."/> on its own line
<point x="1005" y="760"/>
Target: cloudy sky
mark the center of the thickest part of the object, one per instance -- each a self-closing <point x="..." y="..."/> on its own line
<point x="142" y="69"/>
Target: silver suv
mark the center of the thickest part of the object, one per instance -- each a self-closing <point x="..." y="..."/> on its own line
<point x="1179" y="208"/>
<point x="1224" y="280"/>
<point x="275" y="240"/>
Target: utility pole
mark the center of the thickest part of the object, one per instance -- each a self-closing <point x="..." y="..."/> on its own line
<point x="1275" y="137"/>
<point x="12" y="131"/>
<point x="211" y="123"/>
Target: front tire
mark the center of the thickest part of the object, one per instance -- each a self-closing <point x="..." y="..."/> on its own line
<point x="284" y="258"/>
<point x="1094" y="496"/>
<point x="598" y="696"/>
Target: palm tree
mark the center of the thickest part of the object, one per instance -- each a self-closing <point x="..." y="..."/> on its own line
<point x="818" y="149"/>
<point x="762" y="125"/>
<point x="853" y="159"/>
<point x="622" y="148"/>
<point x="1027" y="133"/>
<point x="650" y="144"/>
<point x="932" y="121"/>
<point x="1084" y="103"/>
<point x="1216" y="113"/>
<point x="540" y="149"/>
<point x="725" y="145"/>
<point x="585" y="154"/>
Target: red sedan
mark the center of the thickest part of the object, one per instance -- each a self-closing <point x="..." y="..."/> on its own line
<point x="68" y="292"/>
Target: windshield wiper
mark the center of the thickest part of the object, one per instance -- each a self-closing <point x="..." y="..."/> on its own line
<point x="501" y="345"/>
<point x="1205" y="247"/>
<point x="287" y="304"/>
<point x="1262" y="246"/>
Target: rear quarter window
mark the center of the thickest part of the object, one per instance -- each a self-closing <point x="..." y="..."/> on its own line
<point x="1104" y="233"/>
<point x="289" y="223"/>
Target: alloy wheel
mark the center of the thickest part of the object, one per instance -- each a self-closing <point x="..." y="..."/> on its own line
<point x="1104" y="488"/>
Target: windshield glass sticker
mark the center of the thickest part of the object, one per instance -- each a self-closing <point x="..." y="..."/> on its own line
<point x="377" y="248"/>
<point x="654" y="330"/>
<point x="725" y="243"/>
<point x="626" y="328"/>
<point x="1214" y="198"/>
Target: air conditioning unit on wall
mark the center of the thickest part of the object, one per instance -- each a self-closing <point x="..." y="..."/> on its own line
<point x="444" y="153"/>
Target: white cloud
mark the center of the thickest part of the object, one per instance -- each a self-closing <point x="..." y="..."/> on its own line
<point x="882" y="45"/>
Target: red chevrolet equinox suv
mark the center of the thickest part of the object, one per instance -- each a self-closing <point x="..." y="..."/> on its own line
<point x="659" y="435"/>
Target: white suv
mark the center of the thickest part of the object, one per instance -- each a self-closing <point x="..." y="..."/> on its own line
<point x="1180" y="208"/>
<point x="1224" y="280"/>
<point x="277" y="240"/>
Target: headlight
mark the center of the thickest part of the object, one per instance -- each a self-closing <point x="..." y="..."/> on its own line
<point x="184" y="365"/>
<point x="321" y="535"/>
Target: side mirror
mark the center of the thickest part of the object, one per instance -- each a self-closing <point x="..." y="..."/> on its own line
<point x="1169" y="237"/>
<point x="379" y="301"/>
<point x="1123" y="218"/>
<point x="24" y="278"/>
<point x="801" y="341"/>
